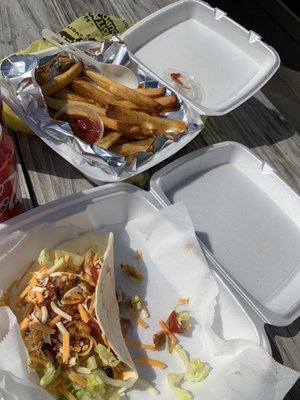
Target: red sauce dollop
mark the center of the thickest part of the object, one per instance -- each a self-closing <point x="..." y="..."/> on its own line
<point x="83" y="127"/>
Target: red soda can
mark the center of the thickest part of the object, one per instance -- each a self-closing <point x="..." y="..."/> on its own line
<point x="10" y="193"/>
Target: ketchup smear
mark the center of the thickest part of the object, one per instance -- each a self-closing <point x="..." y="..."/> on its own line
<point x="83" y="127"/>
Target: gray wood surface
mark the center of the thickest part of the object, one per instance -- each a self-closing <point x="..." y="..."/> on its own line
<point x="45" y="176"/>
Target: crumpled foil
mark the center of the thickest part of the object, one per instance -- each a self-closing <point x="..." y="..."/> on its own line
<point x="22" y="93"/>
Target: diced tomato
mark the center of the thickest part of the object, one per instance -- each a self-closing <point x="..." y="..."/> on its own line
<point x="173" y="323"/>
<point x="94" y="272"/>
<point x="96" y="331"/>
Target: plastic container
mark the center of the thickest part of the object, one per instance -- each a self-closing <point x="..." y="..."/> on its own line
<point x="223" y="63"/>
<point x="227" y="63"/>
<point x="247" y="218"/>
<point x="84" y="122"/>
<point x="111" y="207"/>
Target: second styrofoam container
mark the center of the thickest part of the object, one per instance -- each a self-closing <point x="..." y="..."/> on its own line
<point x="228" y="62"/>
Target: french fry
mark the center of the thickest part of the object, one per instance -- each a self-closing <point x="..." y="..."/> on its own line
<point x="109" y="139"/>
<point x="152" y="92"/>
<point x="67" y="94"/>
<point x="61" y="80"/>
<point x="130" y="148"/>
<point x="98" y="95"/>
<point x="158" y="124"/>
<point x="117" y="89"/>
<point x="168" y="100"/>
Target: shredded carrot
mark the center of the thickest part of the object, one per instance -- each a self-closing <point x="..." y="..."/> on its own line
<point x="42" y="327"/>
<point x="184" y="300"/>
<point x="150" y="361"/>
<point x="77" y="379"/>
<point x="140" y="345"/>
<point x="167" y="331"/>
<point x="56" y="382"/>
<point x="65" y="392"/>
<point x="66" y="347"/>
<point x="137" y="319"/>
<point x="83" y="314"/>
<point x="54" y="321"/>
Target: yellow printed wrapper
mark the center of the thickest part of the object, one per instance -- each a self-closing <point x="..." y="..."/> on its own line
<point x="90" y="26"/>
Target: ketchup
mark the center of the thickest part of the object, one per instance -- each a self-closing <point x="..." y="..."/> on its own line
<point x="83" y="127"/>
<point x="10" y="194"/>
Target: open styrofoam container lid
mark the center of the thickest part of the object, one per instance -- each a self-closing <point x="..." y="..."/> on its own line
<point x="228" y="62"/>
<point x="247" y="217"/>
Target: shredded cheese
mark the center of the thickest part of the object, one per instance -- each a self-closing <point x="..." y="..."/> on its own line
<point x="91" y="307"/>
<point x="184" y="300"/>
<point x="56" y="382"/>
<point x="137" y="319"/>
<point x="42" y="327"/>
<point x="140" y="345"/>
<point x="66" y="347"/>
<point x="24" y="274"/>
<point x="38" y="360"/>
<point x="24" y="325"/>
<point x="73" y="376"/>
<point x="167" y="331"/>
<point x="60" y="312"/>
<point x="83" y="314"/>
<point x="150" y="361"/>
<point x="54" y="321"/>
<point x="61" y="327"/>
<point x="40" y="297"/>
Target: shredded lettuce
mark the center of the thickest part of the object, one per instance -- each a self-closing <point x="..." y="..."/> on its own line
<point x="106" y="356"/>
<point x="196" y="370"/>
<point x="184" y="319"/>
<point x="92" y="363"/>
<point x="74" y="258"/>
<point x="50" y="374"/>
<point x="173" y="381"/>
<point x="114" y="382"/>
<point x="147" y="385"/>
<point x="44" y="257"/>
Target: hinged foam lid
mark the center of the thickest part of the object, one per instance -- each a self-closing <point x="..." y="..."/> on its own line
<point x="247" y="217"/>
<point x="228" y="62"/>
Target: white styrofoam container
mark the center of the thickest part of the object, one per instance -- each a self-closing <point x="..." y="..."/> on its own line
<point x="111" y="207"/>
<point x="229" y="62"/>
<point x="247" y="218"/>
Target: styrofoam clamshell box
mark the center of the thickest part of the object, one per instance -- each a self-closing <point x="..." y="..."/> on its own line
<point x="228" y="62"/>
<point x="246" y="218"/>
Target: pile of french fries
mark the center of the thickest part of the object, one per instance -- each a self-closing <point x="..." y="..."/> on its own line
<point x="132" y="118"/>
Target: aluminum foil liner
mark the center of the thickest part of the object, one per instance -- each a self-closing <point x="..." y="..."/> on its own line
<point x="22" y="93"/>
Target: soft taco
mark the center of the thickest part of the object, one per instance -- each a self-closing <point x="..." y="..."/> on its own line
<point x="70" y="323"/>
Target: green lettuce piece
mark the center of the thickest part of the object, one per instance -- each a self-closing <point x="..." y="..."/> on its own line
<point x="92" y="363"/>
<point x="173" y="381"/>
<point x="106" y="356"/>
<point x="196" y="370"/>
<point x="44" y="257"/>
<point x="74" y="258"/>
<point x="50" y="374"/>
<point x="95" y="383"/>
